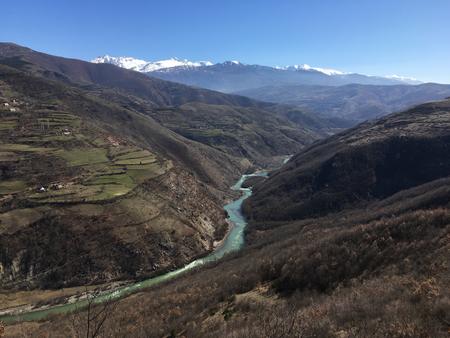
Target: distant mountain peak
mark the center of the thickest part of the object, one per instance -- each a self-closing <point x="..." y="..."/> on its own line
<point x="304" y="66"/>
<point x="231" y="63"/>
<point x="121" y="61"/>
<point x="148" y="66"/>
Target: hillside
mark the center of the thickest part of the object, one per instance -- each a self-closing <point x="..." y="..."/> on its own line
<point x="107" y="187"/>
<point x="375" y="265"/>
<point x="156" y="91"/>
<point x="369" y="162"/>
<point x="354" y="102"/>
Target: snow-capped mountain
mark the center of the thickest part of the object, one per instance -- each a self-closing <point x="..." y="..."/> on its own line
<point x="148" y="66"/>
<point x="122" y="61"/>
<point x="232" y="76"/>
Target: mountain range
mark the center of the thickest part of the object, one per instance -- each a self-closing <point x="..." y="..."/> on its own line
<point x="321" y="92"/>
<point x="231" y="76"/>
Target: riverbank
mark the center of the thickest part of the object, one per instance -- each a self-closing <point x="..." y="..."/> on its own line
<point x="233" y="241"/>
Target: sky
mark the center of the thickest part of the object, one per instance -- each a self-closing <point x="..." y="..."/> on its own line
<point x="374" y="37"/>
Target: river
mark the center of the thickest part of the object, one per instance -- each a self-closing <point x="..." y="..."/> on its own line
<point x="233" y="241"/>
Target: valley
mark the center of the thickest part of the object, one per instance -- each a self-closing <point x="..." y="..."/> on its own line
<point x="378" y="247"/>
<point x="116" y="209"/>
<point x="106" y="181"/>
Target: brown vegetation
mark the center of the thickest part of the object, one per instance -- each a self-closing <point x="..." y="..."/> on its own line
<point x="362" y="274"/>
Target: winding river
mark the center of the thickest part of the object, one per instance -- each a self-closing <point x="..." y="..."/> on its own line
<point x="234" y="241"/>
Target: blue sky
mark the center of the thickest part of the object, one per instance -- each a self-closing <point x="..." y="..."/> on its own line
<point x="376" y="37"/>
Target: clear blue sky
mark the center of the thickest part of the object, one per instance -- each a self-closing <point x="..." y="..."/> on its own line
<point x="376" y="37"/>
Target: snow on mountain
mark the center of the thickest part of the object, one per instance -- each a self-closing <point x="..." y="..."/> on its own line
<point x="405" y="79"/>
<point x="122" y="61"/>
<point x="327" y="71"/>
<point x="167" y="65"/>
<point x="148" y="66"/>
<point x="173" y="62"/>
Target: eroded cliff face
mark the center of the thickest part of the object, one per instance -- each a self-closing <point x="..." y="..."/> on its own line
<point x="162" y="224"/>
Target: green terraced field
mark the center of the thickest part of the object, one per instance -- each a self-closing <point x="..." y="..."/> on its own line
<point x="133" y="154"/>
<point x="96" y="169"/>
<point x="80" y="157"/>
<point x="133" y="161"/>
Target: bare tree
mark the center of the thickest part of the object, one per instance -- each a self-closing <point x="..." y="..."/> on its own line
<point x="90" y="322"/>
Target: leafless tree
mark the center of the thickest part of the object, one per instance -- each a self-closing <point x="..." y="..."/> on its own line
<point x="91" y="321"/>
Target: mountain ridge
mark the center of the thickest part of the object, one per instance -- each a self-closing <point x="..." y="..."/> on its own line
<point x="209" y="75"/>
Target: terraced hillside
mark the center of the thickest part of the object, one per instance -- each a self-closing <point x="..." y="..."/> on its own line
<point x="81" y="203"/>
<point x="243" y="132"/>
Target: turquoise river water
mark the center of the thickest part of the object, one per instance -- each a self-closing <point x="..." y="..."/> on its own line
<point x="234" y="241"/>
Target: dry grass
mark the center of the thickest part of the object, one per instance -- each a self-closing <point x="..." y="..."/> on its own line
<point x="294" y="287"/>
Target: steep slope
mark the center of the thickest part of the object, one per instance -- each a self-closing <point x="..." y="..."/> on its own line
<point x="372" y="161"/>
<point x="354" y="102"/>
<point x="93" y="192"/>
<point x="242" y="132"/>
